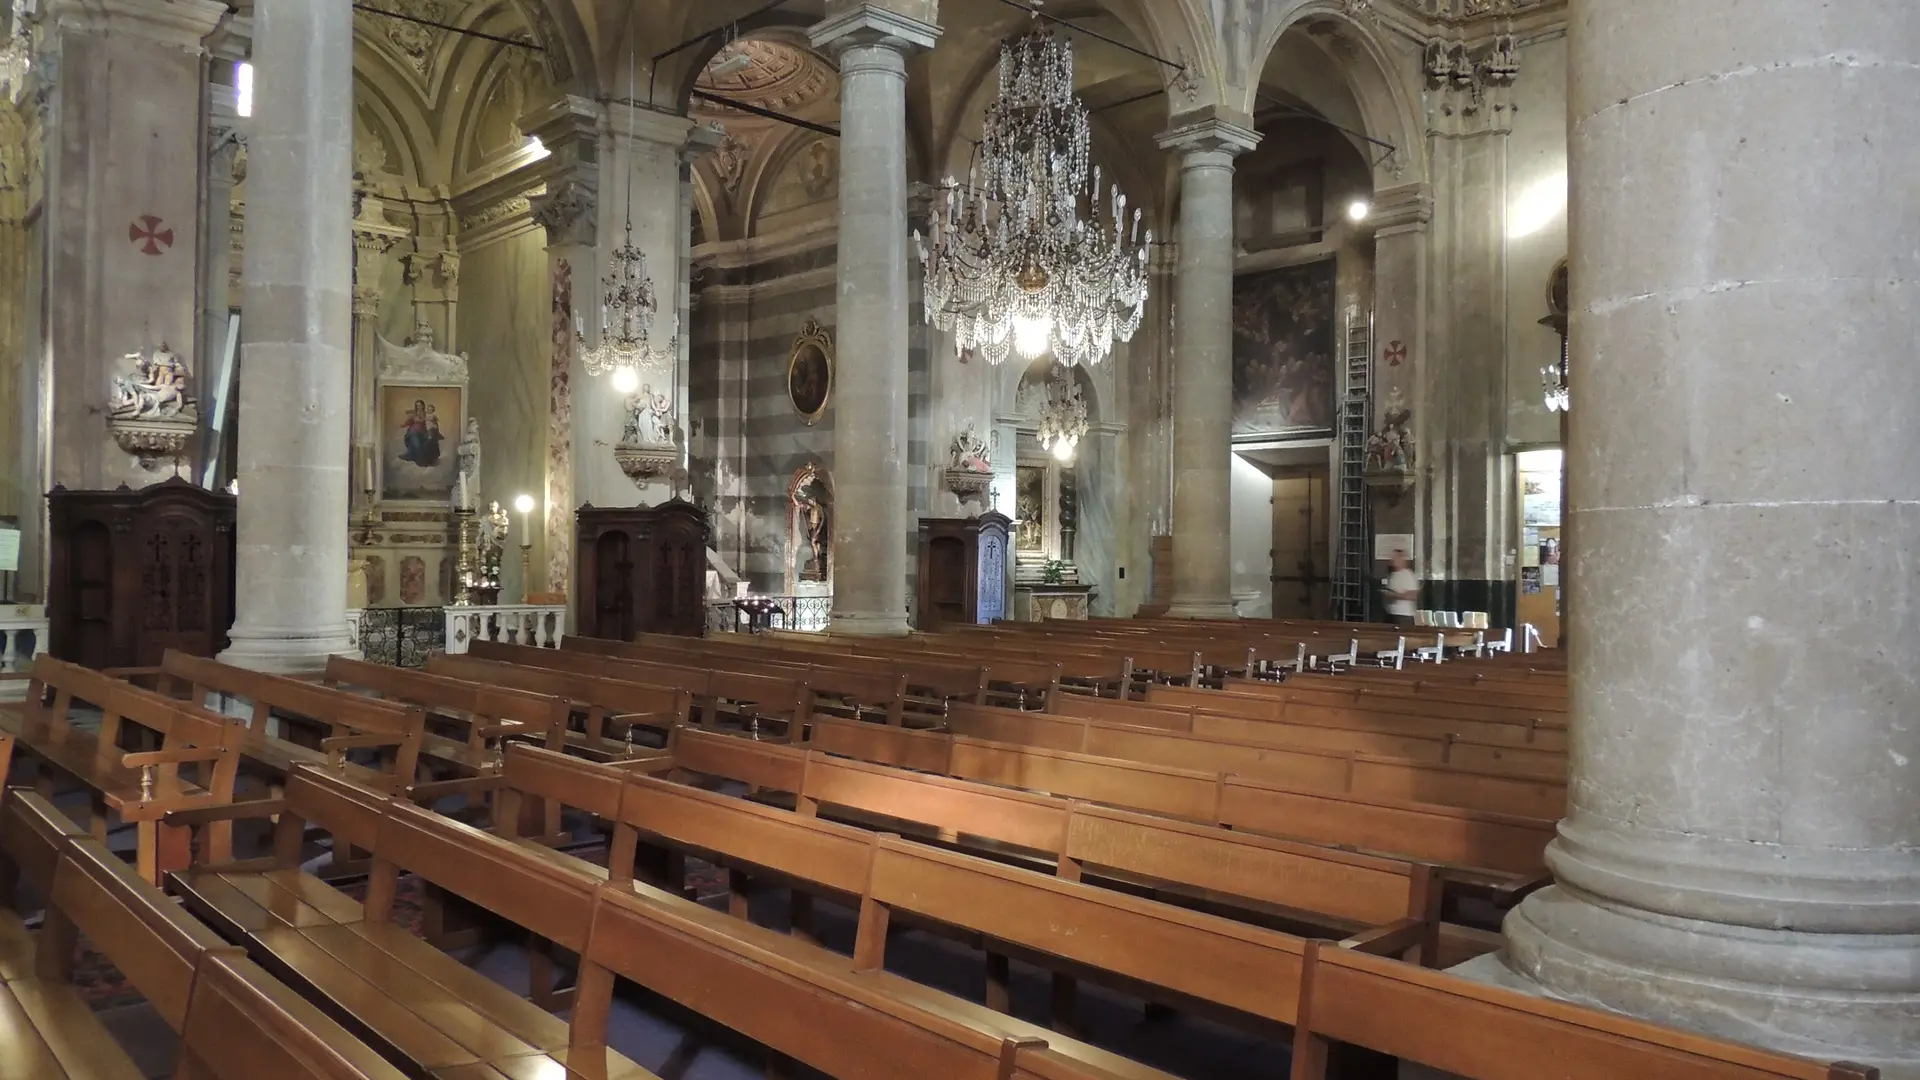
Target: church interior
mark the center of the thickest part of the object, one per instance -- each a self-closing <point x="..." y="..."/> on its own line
<point x="1018" y="539"/>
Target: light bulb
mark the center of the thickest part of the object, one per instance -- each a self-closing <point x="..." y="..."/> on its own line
<point x="1062" y="450"/>
<point x="625" y="380"/>
<point x="524" y="504"/>
<point x="1031" y="333"/>
<point x="1358" y="209"/>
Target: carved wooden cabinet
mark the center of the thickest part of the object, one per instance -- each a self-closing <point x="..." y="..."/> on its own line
<point x="641" y="570"/>
<point x="135" y="573"/>
<point x="963" y="570"/>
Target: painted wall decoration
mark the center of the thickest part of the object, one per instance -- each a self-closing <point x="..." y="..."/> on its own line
<point x="1283" y="351"/>
<point x="810" y="371"/>
<point x="419" y="429"/>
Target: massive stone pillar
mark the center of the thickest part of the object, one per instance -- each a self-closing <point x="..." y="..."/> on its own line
<point x="296" y="337"/>
<point x="124" y="121"/>
<point x="870" y="387"/>
<point x="1203" y="362"/>
<point x="1742" y="849"/>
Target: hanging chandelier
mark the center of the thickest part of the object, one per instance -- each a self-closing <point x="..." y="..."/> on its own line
<point x="627" y="311"/>
<point x="1034" y="252"/>
<point x="1553" y="384"/>
<point x="1063" y="419"/>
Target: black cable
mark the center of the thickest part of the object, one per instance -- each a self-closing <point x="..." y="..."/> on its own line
<point x="756" y="110"/>
<point x="535" y="46"/>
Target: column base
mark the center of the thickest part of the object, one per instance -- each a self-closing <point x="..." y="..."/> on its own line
<point x="1828" y="997"/>
<point x="1210" y="607"/>
<point x="287" y="651"/>
<point x="868" y="624"/>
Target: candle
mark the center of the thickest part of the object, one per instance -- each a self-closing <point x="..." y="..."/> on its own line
<point x="369" y="463"/>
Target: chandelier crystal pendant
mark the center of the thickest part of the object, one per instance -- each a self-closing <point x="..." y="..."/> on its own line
<point x="1553" y="383"/>
<point x="1063" y="419"/>
<point x="1034" y="253"/>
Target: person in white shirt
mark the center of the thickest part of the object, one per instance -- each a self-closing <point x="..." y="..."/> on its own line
<point x="1403" y="589"/>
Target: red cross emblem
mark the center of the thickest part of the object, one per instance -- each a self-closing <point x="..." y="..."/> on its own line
<point x="1396" y="353"/>
<point x="150" y="235"/>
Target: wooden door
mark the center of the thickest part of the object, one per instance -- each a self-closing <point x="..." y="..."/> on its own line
<point x="1302" y="555"/>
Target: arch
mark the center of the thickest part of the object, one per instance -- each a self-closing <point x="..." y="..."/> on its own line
<point x="1389" y="108"/>
<point x="385" y="94"/>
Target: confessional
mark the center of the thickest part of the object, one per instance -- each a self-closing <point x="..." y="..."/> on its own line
<point x="963" y="570"/>
<point x="135" y="573"/>
<point x="641" y="570"/>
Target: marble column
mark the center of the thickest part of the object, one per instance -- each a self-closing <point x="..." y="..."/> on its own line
<point x="1401" y="221"/>
<point x="1741" y="853"/>
<point x="125" y="124"/>
<point x="296" y="337"/>
<point x="1203" y="362"/>
<point x="568" y="211"/>
<point x="870" y="388"/>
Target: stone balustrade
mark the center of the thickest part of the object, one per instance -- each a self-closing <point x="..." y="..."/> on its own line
<point x="23" y="636"/>
<point x="517" y="624"/>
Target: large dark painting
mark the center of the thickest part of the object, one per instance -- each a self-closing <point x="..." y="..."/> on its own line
<point x="1283" y="350"/>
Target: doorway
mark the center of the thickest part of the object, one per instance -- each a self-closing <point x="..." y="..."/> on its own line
<point x="1302" y="543"/>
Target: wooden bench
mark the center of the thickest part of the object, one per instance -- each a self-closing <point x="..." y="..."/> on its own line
<point x="930" y="682"/>
<point x="1521" y="794"/>
<point x="799" y="1000"/>
<point x="1500" y="850"/>
<point x="490" y="714"/>
<point x="611" y="708"/>
<point x="344" y="723"/>
<point x="234" y="1021"/>
<point x="140" y="786"/>
<point x="416" y="1004"/>
<point x="1482" y="1032"/>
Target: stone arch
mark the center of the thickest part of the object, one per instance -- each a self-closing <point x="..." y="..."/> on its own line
<point x="397" y="112"/>
<point x="1389" y="107"/>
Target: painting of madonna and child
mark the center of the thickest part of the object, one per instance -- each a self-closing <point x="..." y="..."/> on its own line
<point x="419" y="429"/>
<point x="1283" y="351"/>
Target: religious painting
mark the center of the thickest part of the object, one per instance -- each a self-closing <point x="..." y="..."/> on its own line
<point x="419" y="428"/>
<point x="811" y="497"/>
<point x="1029" y="508"/>
<point x="1283" y="351"/>
<point x="810" y="372"/>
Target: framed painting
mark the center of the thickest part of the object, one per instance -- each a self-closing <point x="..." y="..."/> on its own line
<point x="810" y="372"/>
<point x="1284" y="380"/>
<point x="420" y="409"/>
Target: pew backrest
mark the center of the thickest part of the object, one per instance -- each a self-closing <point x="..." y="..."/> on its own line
<point x="242" y="1024"/>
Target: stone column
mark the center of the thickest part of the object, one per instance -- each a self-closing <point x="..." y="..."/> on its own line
<point x="870" y="386"/>
<point x="125" y="122"/>
<point x="1401" y="219"/>
<point x="294" y="393"/>
<point x="1741" y="853"/>
<point x="226" y="166"/>
<point x="1207" y="143"/>
<point x="569" y="129"/>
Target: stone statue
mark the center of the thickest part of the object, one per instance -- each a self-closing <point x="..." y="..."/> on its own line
<point x="1391" y="448"/>
<point x="466" y="489"/>
<point x="649" y="418"/>
<point x="971" y="452"/>
<point x="156" y="389"/>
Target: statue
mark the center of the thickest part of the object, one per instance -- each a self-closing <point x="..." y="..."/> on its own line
<point x="649" y="419"/>
<point x="971" y="452"/>
<point x="466" y="488"/>
<point x="1391" y="448"/>
<point x="156" y="389"/>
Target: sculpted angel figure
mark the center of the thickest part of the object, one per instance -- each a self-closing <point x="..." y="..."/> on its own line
<point x="466" y="489"/>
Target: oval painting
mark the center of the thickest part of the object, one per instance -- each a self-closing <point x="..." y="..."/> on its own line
<point x="810" y="372"/>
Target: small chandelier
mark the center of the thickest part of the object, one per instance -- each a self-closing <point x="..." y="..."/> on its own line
<point x="1023" y="258"/>
<point x="626" y="322"/>
<point x="1063" y="419"/>
<point x="1553" y="384"/>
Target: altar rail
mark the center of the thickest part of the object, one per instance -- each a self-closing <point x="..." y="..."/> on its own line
<point x="809" y="614"/>
<point x="23" y="635"/>
<point x="542" y="625"/>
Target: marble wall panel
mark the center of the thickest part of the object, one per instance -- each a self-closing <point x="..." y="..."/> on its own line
<point x="505" y="324"/>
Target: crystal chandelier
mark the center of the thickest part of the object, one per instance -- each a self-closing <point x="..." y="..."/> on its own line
<point x="1063" y="419"/>
<point x="626" y="322"/>
<point x="1553" y="383"/>
<point x="1034" y="252"/>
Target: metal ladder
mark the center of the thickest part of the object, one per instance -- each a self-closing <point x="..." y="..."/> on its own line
<point x="1352" y="557"/>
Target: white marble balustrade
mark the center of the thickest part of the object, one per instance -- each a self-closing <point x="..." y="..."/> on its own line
<point x="23" y="635"/>
<point x="516" y="624"/>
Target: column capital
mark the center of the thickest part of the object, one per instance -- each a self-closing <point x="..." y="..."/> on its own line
<point x="1210" y="130"/>
<point x="569" y="212"/>
<point x="647" y="126"/>
<point x="900" y="25"/>
<point x="1399" y="209"/>
<point x="232" y="40"/>
<point x="183" y="24"/>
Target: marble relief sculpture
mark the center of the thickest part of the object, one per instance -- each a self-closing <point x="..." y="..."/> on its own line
<point x="149" y="410"/>
<point x="466" y="488"/>
<point x="647" y="449"/>
<point x="969" y="473"/>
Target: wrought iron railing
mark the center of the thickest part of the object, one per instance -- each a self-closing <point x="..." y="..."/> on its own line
<point x="401" y="636"/>
<point x="808" y="614"/>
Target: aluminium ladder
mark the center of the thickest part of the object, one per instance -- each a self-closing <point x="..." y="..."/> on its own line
<point x="1353" y="558"/>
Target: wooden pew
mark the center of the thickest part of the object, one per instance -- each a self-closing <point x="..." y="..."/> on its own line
<point x="1522" y="794"/>
<point x="414" y="1003"/>
<point x="799" y="1000"/>
<point x="930" y="682"/>
<point x="610" y="708"/>
<point x="346" y="722"/>
<point x="491" y="714"/>
<point x="1483" y="1032"/>
<point x="752" y="697"/>
<point x="1154" y="950"/>
<point x="845" y="688"/>
<point x="1510" y="849"/>
<point x="234" y="1022"/>
<point x="140" y="786"/>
